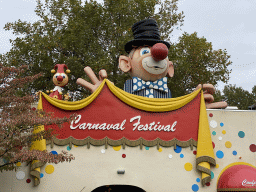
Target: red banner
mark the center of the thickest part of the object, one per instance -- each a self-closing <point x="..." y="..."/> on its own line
<point x="108" y="116"/>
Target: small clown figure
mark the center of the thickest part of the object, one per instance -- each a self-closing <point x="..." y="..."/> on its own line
<point x="60" y="79"/>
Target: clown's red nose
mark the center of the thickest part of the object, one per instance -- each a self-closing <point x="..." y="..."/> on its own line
<point x="60" y="78"/>
<point x="159" y="51"/>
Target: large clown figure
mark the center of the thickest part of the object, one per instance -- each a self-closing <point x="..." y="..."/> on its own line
<point x="148" y="64"/>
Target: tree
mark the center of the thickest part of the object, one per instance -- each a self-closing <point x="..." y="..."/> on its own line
<point x="237" y="96"/>
<point x="79" y="35"/>
<point x="18" y="119"/>
<point x="195" y="62"/>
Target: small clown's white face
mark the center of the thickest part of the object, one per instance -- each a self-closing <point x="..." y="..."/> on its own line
<point x="60" y="79"/>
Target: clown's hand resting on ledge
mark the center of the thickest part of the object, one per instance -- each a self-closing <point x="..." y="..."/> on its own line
<point x="96" y="82"/>
<point x="209" y="90"/>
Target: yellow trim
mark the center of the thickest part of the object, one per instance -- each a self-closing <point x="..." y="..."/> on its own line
<point x="231" y="165"/>
<point x="74" y="105"/>
<point x="204" y="143"/>
<point x="139" y="102"/>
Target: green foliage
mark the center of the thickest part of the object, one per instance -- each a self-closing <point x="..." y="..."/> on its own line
<point x="237" y="96"/>
<point x="81" y="35"/>
<point x="195" y="62"/>
<point x="93" y="34"/>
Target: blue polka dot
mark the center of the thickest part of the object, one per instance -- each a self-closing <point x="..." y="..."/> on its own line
<point x="68" y="148"/>
<point x="221" y="124"/>
<point x="195" y="187"/>
<point x="6" y="161"/>
<point x="214" y="133"/>
<point x="181" y="155"/>
<point x="147" y="148"/>
<point x="178" y="149"/>
<point x="198" y="180"/>
<point x="234" y="153"/>
<point x="220" y="154"/>
<point x="41" y="175"/>
<point x="54" y="152"/>
<point x="212" y="175"/>
<point x="241" y="134"/>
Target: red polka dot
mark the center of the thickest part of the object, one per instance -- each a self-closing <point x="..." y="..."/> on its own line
<point x="211" y="115"/>
<point x="252" y="147"/>
<point x="123" y="155"/>
<point x="33" y="108"/>
<point x="208" y="184"/>
<point x="194" y="152"/>
<point x="28" y="180"/>
<point x="213" y="145"/>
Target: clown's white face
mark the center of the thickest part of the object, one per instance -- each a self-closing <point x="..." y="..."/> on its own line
<point x="145" y="66"/>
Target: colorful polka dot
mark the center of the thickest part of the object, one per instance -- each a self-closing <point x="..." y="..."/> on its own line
<point x="103" y="150"/>
<point x="210" y="115"/>
<point x="18" y="164"/>
<point x="75" y="145"/>
<point x="198" y="180"/>
<point x="5" y="161"/>
<point x="224" y="132"/>
<point x="234" y="153"/>
<point x="20" y="175"/>
<point x="195" y="187"/>
<point x="220" y="138"/>
<point x="178" y="149"/>
<point x="214" y="133"/>
<point x="54" y="152"/>
<point x="41" y="175"/>
<point x="194" y="152"/>
<point x="49" y="169"/>
<point x="170" y="156"/>
<point x="160" y="149"/>
<point x="188" y="166"/>
<point x="221" y="124"/>
<point x="241" y="134"/>
<point x="181" y="155"/>
<point x="117" y="148"/>
<point x="208" y="184"/>
<point x="28" y="180"/>
<point x="220" y="154"/>
<point x="213" y="145"/>
<point x="212" y="175"/>
<point x="228" y="144"/>
<point x="147" y="148"/>
<point x="123" y="155"/>
<point x="213" y="124"/>
<point x="252" y="147"/>
<point x="68" y="148"/>
<point x="217" y="165"/>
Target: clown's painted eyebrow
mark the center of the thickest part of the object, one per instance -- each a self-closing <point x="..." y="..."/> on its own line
<point x="135" y="48"/>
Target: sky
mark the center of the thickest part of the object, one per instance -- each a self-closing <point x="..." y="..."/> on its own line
<point x="228" y="24"/>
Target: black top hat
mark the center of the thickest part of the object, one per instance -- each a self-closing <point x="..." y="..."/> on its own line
<point x="145" y="32"/>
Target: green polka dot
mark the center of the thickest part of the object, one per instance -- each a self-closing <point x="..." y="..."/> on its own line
<point x="214" y="133"/>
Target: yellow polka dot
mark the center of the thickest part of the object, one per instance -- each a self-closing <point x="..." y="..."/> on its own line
<point x="75" y="145"/>
<point x="160" y="149"/>
<point x="18" y="164"/>
<point x="117" y="148"/>
<point x="224" y="132"/>
<point x="188" y="166"/>
<point x="228" y="144"/>
<point x="217" y="165"/>
<point x="49" y="169"/>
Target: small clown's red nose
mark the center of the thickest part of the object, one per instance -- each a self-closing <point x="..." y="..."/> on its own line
<point x="159" y="51"/>
<point x="60" y="78"/>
